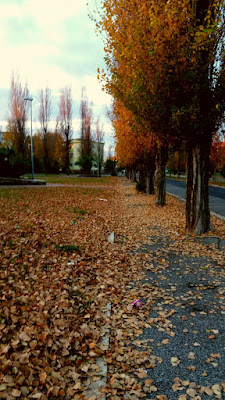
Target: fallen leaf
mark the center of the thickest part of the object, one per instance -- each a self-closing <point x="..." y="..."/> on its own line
<point x="148" y="382"/>
<point x="191" y="392"/>
<point x="42" y="377"/>
<point x="208" y="391"/>
<point x="142" y="374"/>
<point x="16" y="393"/>
<point x="191" y="355"/>
<point x="175" y="361"/>
<point x="212" y="337"/>
<point x="191" y="368"/>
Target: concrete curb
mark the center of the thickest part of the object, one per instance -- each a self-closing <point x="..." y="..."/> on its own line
<point x="94" y="389"/>
<point x="211" y="212"/>
<point x="217" y="215"/>
<point x="20" y="181"/>
<point x="177" y="197"/>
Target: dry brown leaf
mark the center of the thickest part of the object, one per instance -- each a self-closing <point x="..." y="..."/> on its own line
<point x="175" y="361"/>
<point x="212" y="337"/>
<point x="191" y="368"/>
<point x="208" y="391"/>
<point x="42" y="377"/>
<point x="142" y="374"/>
<point x="16" y="393"/>
<point x="148" y="382"/>
<point x="191" y="392"/>
<point x="191" y="355"/>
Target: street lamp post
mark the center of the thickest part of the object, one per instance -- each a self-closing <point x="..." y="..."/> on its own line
<point x="31" y="137"/>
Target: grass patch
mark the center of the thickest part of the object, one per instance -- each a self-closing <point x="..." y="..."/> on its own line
<point x="68" y="248"/>
<point x="217" y="183"/>
<point x="73" y="179"/>
<point x="212" y="181"/>
<point x="9" y="193"/>
<point x="81" y="212"/>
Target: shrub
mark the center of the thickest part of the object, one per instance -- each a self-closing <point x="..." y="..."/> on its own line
<point x="223" y="172"/>
<point x="12" y="164"/>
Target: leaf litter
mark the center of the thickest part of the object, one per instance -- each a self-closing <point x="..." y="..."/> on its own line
<point x="53" y="300"/>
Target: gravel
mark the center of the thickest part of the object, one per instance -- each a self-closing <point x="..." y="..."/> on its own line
<point x="194" y="288"/>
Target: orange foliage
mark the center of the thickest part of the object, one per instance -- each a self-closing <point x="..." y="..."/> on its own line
<point x="217" y="155"/>
<point x="154" y="60"/>
<point x="134" y="145"/>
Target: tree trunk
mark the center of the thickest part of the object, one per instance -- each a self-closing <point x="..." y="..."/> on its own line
<point x="150" y="189"/>
<point x="197" y="188"/>
<point x="129" y="173"/>
<point x="161" y="161"/>
<point x="45" y="145"/>
<point x="142" y="178"/>
<point x="133" y="175"/>
<point x="67" y="156"/>
<point x="99" y="170"/>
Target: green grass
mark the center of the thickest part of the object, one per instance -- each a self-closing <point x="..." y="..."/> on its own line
<point x="72" y="179"/>
<point x="215" y="182"/>
<point x="9" y="193"/>
<point x="67" y="248"/>
<point x="76" y="211"/>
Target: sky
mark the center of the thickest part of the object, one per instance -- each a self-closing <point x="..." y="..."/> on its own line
<point x="52" y="43"/>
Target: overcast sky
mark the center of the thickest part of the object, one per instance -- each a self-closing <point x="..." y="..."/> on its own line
<point x="53" y="43"/>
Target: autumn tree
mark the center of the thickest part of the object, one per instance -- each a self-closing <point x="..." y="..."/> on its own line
<point x="18" y="116"/>
<point x="136" y="149"/>
<point x="125" y="142"/>
<point x="86" y="156"/>
<point x="44" y="118"/>
<point x="199" y="113"/>
<point x="98" y="138"/>
<point x="56" y="152"/>
<point x="217" y="154"/>
<point x="129" y="71"/>
<point x="165" y="63"/>
<point x="65" y="122"/>
<point x="177" y="160"/>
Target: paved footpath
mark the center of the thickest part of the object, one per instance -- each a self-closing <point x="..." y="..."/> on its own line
<point x="185" y="335"/>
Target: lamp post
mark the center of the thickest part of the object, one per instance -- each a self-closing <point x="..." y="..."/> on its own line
<point x="31" y="137"/>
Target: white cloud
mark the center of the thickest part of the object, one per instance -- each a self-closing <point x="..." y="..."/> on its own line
<point x="52" y="12"/>
<point x="95" y="92"/>
<point x="53" y="43"/>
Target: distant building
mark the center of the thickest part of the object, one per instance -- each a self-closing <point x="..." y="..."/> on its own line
<point x="97" y="152"/>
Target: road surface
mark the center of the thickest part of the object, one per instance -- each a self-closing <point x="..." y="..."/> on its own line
<point x="216" y="195"/>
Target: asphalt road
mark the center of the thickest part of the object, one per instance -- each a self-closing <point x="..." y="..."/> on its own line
<point x="216" y="195"/>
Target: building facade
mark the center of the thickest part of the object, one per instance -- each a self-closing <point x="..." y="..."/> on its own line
<point x="97" y="154"/>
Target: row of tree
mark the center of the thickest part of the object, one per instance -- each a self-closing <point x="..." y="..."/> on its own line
<point x="52" y="147"/>
<point x="165" y="68"/>
<point x="177" y="160"/>
<point x="217" y="156"/>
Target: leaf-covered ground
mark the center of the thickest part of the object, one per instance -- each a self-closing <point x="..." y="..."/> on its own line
<point x="58" y="273"/>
